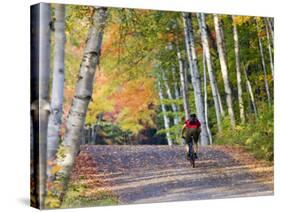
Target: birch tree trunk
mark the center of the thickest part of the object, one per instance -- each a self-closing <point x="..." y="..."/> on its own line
<point x="176" y="91"/>
<point x="170" y="96"/>
<point x="54" y="124"/>
<point x="164" y="111"/>
<point x="190" y="49"/>
<point x="96" y="127"/>
<point x="207" y="56"/>
<point x="250" y="91"/>
<point x="184" y="83"/>
<point x="206" y="100"/>
<point x="40" y="76"/>
<point x="222" y="57"/>
<point x="238" y="72"/>
<point x="83" y="92"/>
<point x="263" y="66"/>
<point x="220" y="101"/>
<point x="270" y="25"/>
<point x="269" y="51"/>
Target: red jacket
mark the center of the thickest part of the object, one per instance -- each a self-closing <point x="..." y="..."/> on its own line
<point x="197" y="124"/>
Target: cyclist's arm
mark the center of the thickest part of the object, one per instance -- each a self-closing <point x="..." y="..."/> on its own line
<point x="182" y="130"/>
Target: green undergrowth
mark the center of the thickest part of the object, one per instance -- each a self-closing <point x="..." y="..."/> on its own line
<point x="256" y="135"/>
<point x="76" y="196"/>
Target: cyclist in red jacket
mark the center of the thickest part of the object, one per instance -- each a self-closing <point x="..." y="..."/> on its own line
<point x="191" y="128"/>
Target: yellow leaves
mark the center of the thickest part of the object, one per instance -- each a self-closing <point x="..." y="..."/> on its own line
<point x="249" y="141"/>
<point x="238" y="128"/>
<point x="239" y="20"/>
<point x="55" y="169"/>
<point x="52" y="201"/>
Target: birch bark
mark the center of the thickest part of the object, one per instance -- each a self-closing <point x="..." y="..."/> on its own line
<point x="207" y="56"/>
<point x="184" y="83"/>
<point x="54" y="124"/>
<point x="206" y="100"/>
<point x="176" y="90"/>
<point x="263" y="66"/>
<point x="271" y="29"/>
<point x="190" y="49"/>
<point x="250" y="91"/>
<point x="238" y="72"/>
<point x="83" y="92"/>
<point x="269" y="50"/>
<point x="40" y="76"/>
<point x="224" y="71"/>
<point x="170" y="96"/>
<point x="165" y="117"/>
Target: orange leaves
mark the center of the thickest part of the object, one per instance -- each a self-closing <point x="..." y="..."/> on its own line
<point x="55" y="169"/>
<point x="136" y="95"/>
<point x="132" y="101"/>
<point x="111" y="36"/>
<point x="171" y="37"/>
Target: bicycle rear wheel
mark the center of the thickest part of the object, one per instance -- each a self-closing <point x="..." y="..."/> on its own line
<point x="191" y="154"/>
<point x="192" y="160"/>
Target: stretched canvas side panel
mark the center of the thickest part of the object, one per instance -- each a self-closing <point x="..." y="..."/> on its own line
<point x="40" y="69"/>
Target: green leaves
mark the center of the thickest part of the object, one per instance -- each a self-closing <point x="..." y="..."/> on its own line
<point x="256" y="136"/>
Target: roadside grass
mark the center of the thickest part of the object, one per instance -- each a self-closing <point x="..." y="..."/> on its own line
<point x="79" y="195"/>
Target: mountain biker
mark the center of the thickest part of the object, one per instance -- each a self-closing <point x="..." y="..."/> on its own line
<point x="191" y="128"/>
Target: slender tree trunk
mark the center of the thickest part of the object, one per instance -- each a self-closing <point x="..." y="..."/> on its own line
<point x="54" y="124"/>
<point x="238" y="72"/>
<point x="40" y="76"/>
<point x="170" y="96"/>
<point x="270" y="25"/>
<point x="250" y="91"/>
<point x="190" y="49"/>
<point x="263" y="66"/>
<point x="224" y="70"/>
<point x="207" y="56"/>
<point x="83" y="93"/>
<point x="184" y="83"/>
<point x="269" y="51"/>
<point x="176" y="90"/>
<point x="220" y="101"/>
<point x="96" y="127"/>
<point x="165" y="117"/>
<point x="206" y="100"/>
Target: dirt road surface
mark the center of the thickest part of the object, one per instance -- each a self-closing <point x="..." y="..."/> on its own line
<point x="146" y="174"/>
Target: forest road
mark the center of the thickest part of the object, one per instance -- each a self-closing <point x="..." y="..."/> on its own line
<point x="146" y="174"/>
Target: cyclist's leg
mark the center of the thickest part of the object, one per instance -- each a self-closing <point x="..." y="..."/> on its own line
<point x="196" y="138"/>
<point x="187" y="139"/>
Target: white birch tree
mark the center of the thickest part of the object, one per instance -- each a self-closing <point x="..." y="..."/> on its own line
<point x="176" y="90"/>
<point x="54" y="124"/>
<point x="270" y="25"/>
<point x="170" y="96"/>
<point x="165" y="117"/>
<point x="224" y="71"/>
<point x="183" y="81"/>
<point x="83" y="92"/>
<point x="207" y="56"/>
<point x="250" y="91"/>
<point x="269" y="50"/>
<point x="238" y="72"/>
<point x="220" y="101"/>
<point x="206" y="100"/>
<point x="195" y="77"/>
<point x="263" y="65"/>
<point x="40" y="76"/>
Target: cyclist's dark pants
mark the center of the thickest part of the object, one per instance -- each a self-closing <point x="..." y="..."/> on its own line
<point x="192" y="132"/>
